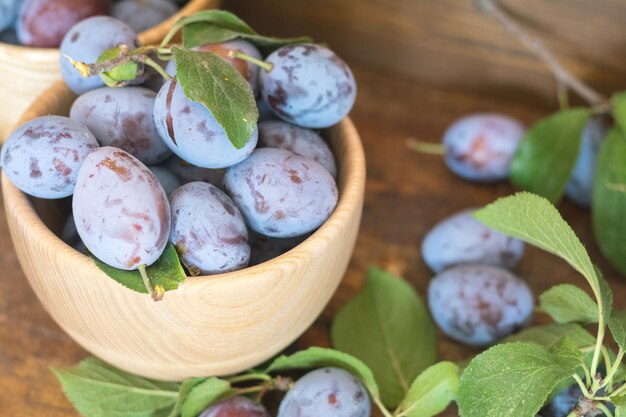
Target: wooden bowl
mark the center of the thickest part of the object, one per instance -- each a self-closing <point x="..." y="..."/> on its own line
<point x="25" y="73"/>
<point x="211" y="325"/>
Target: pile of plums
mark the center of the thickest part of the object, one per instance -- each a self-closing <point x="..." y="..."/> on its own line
<point x="44" y="23"/>
<point x="474" y="298"/>
<point x="123" y="152"/>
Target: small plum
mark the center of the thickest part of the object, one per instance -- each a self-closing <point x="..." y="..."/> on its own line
<point x="280" y="193"/>
<point x="208" y="229"/>
<point x="121" y="211"/>
<point x="236" y="407"/>
<point x="123" y="118"/>
<point x="478" y="305"/>
<point x="168" y="180"/>
<point x="192" y="133"/>
<point x="43" y="156"/>
<point x="141" y="15"/>
<point x="461" y="239"/>
<point x="480" y="147"/>
<point x="327" y="392"/>
<point x="299" y="140"/>
<point x="308" y="85"/>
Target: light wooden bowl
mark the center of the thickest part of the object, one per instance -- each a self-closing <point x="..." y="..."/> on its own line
<point x="25" y="73"/>
<point x="211" y="325"/>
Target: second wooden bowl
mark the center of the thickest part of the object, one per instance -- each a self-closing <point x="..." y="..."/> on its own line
<point x="25" y="73"/>
<point x="211" y="325"/>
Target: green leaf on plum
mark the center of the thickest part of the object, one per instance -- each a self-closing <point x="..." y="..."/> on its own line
<point x="99" y="390"/>
<point x="546" y="157"/>
<point x="388" y="327"/>
<point x="202" y="394"/>
<point x="431" y="392"/>
<point x="609" y="199"/>
<point x="119" y="75"/>
<point x="316" y="357"/>
<point x="167" y="272"/>
<point x="566" y="303"/>
<point x="209" y="80"/>
<point x="514" y="379"/>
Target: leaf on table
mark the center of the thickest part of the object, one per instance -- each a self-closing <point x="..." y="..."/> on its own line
<point x="204" y="393"/>
<point x="547" y="154"/>
<point x="609" y="199"/>
<point x="567" y="303"/>
<point x="513" y="379"/>
<point x="388" y="327"/>
<point x="535" y="220"/>
<point x="431" y="392"/>
<point x="166" y="272"/>
<point x="316" y="357"/>
<point x="209" y="80"/>
<point x="99" y="390"/>
<point x="185" y="388"/>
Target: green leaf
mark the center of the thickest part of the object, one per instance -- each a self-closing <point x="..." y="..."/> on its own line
<point x="513" y="379"/>
<point x="619" y="108"/>
<point x="203" y="394"/>
<point x="388" y="327"/>
<point x="185" y="388"/>
<point x="166" y="272"/>
<point x="567" y="303"/>
<point x="119" y="75"/>
<point x="620" y="406"/>
<point x="535" y="220"/>
<point x="316" y="357"/>
<point x="609" y="199"/>
<point x="431" y="392"/>
<point x="208" y="79"/>
<point x="617" y="324"/>
<point x="546" y="157"/>
<point x="549" y="334"/>
<point x="99" y="390"/>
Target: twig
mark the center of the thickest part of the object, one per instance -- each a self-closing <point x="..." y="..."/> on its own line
<point x="562" y="75"/>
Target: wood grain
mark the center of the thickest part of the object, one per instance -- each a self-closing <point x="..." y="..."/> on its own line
<point x="25" y="73"/>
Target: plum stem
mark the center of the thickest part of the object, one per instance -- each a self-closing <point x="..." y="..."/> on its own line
<point x="151" y="62"/>
<point x="425" y="147"/>
<point x="140" y="55"/>
<point x="240" y="55"/>
<point x="155" y="291"/>
<point x="562" y="75"/>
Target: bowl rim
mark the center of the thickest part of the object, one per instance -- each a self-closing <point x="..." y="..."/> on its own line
<point x="147" y="37"/>
<point x="352" y="186"/>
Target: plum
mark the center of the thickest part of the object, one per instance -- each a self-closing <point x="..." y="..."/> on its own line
<point x="192" y="133"/>
<point x="328" y="392"/>
<point x="121" y="211"/>
<point x="462" y="239"/>
<point x="280" y="193"/>
<point x="308" y="85"/>
<point x="168" y="180"/>
<point x="236" y="407"/>
<point x="141" y="15"/>
<point x="123" y="118"/>
<point x="480" y="147"/>
<point x="478" y="305"/>
<point x="43" y="156"/>
<point x="85" y="42"/>
<point x="208" y="230"/>
<point x="299" y="140"/>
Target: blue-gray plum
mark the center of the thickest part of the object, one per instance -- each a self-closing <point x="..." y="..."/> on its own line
<point x="44" y="23"/>
<point x="85" y="42"/>
<point x="70" y="235"/>
<point x="309" y="85"/>
<point x="236" y="407"/>
<point x="248" y="70"/>
<point x="480" y="147"/>
<point x="168" y="180"/>
<point x="327" y="392"/>
<point x="43" y="156"/>
<point x="141" y="15"/>
<point x="190" y="173"/>
<point x="263" y="248"/>
<point x="461" y="239"/>
<point x="123" y="118"/>
<point x="478" y="305"/>
<point x="299" y="140"/>
<point x="280" y="193"/>
<point x="9" y="10"/>
<point x="579" y="189"/>
<point x="192" y="133"/>
<point x="208" y="230"/>
<point x="120" y="209"/>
